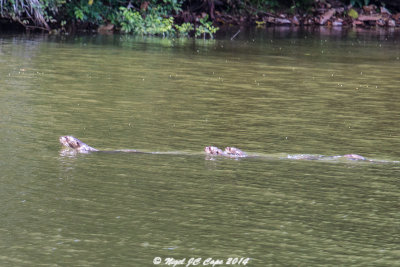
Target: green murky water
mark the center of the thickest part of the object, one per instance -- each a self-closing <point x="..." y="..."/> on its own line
<point x="271" y="94"/>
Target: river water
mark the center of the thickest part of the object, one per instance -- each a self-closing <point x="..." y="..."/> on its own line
<point x="271" y="93"/>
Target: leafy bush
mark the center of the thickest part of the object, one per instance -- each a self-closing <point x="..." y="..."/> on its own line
<point x="92" y="11"/>
<point x="185" y="29"/>
<point x="151" y="24"/>
<point x="205" y="28"/>
<point x="154" y="23"/>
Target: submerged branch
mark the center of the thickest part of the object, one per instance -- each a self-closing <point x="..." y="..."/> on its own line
<point x="233" y="37"/>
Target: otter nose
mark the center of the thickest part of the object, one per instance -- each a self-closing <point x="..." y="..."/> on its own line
<point x="63" y="140"/>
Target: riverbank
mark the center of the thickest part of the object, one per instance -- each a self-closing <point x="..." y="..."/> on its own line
<point x="191" y="18"/>
<point x="334" y="14"/>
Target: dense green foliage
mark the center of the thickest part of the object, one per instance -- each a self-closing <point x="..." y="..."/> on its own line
<point x="151" y="17"/>
<point x="27" y="12"/>
<point x="144" y="17"/>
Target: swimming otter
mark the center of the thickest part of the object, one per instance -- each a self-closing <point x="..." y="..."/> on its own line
<point x="229" y="151"/>
<point x="75" y="143"/>
<point x="237" y="153"/>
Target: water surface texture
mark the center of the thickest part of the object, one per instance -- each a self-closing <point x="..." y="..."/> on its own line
<point x="269" y="93"/>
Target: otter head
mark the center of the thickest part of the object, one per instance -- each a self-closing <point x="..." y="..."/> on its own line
<point x="71" y="142"/>
<point x="213" y="150"/>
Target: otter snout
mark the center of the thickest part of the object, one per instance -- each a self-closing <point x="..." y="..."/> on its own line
<point x="213" y="150"/>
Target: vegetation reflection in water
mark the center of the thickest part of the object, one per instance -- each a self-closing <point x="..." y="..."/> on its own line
<point x="294" y="93"/>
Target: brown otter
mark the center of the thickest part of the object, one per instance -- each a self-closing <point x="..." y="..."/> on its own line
<point x="237" y="153"/>
<point x="76" y="144"/>
<point x="229" y="151"/>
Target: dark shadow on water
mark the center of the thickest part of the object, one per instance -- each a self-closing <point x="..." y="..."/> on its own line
<point x="287" y="32"/>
